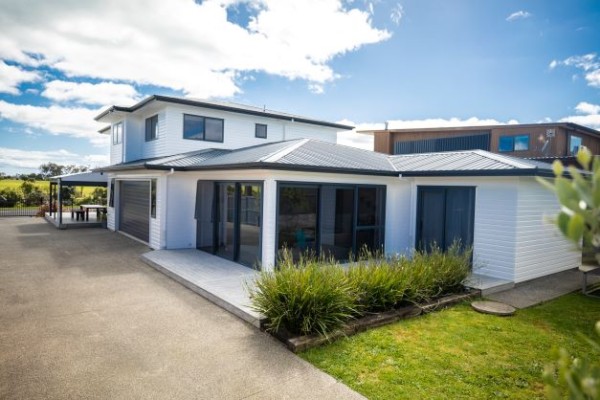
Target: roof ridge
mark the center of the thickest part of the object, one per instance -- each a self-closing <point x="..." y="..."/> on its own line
<point x="279" y="154"/>
<point x="505" y="159"/>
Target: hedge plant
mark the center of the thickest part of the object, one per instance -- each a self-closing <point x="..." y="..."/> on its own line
<point x="316" y="295"/>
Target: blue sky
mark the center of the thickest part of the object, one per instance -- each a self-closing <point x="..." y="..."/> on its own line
<point x="412" y="62"/>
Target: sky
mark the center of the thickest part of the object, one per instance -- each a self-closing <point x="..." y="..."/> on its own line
<point x="413" y="63"/>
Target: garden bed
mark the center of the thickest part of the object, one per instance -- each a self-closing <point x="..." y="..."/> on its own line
<point x="298" y="343"/>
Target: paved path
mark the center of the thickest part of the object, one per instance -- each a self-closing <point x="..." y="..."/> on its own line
<point x="543" y="289"/>
<point x="82" y="317"/>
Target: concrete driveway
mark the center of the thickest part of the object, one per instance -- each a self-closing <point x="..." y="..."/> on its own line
<point x="81" y="317"/>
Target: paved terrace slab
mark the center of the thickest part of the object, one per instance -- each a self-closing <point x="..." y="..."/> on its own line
<point x="223" y="282"/>
<point x="82" y="317"/>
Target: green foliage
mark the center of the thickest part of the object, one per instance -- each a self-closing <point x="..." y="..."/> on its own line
<point x="579" y="196"/>
<point x="572" y="377"/>
<point x="318" y="295"/>
<point x="310" y="296"/>
<point x="579" y="221"/>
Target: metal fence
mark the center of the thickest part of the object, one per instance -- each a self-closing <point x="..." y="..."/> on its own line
<point x="11" y="208"/>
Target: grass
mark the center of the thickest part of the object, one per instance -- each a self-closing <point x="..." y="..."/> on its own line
<point x="460" y="354"/>
<point x="15" y="184"/>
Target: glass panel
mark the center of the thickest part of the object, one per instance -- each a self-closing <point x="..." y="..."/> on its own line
<point x="459" y="216"/>
<point x="369" y="239"/>
<point x="431" y="217"/>
<point x="205" y="233"/>
<point x="574" y="144"/>
<point x="225" y="220"/>
<point x="261" y="131"/>
<point x="213" y="129"/>
<point x="250" y="216"/>
<point x="506" y="143"/>
<point x="152" y="128"/>
<point x="521" y="142"/>
<point x="193" y="127"/>
<point x="337" y="219"/>
<point x="369" y="208"/>
<point x="297" y="219"/>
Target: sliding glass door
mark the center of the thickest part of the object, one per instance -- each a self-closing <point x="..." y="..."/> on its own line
<point x="229" y="216"/>
<point x="330" y="220"/>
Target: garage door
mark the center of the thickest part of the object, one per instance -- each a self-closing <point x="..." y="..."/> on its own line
<point x="134" y="209"/>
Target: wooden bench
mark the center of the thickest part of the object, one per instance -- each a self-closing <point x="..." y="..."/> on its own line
<point x="585" y="270"/>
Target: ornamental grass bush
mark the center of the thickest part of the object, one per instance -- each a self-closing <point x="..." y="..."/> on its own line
<point x="316" y="295"/>
<point x="308" y="296"/>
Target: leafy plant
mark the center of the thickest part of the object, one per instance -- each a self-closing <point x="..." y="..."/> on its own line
<point x="381" y="284"/>
<point x="312" y="296"/>
<point x="579" y="221"/>
<point x="316" y="295"/>
<point x="572" y="377"/>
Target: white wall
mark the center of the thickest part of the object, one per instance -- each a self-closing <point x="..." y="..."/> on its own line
<point x="541" y="249"/>
<point x="494" y="240"/>
<point x="239" y="131"/>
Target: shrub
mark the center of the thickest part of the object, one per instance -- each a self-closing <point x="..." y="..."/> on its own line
<point x="381" y="284"/>
<point x="310" y="296"/>
<point x="319" y="296"/>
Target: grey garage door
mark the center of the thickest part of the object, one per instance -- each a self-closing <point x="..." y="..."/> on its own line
<point x="134" y="209"/>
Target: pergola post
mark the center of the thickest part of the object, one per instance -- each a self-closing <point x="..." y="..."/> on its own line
<point x="59" y="201"/>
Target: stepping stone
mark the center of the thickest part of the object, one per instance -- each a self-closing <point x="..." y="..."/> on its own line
<point x="493" y="307"/>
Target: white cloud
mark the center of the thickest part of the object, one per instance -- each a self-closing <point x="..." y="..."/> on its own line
<point x="104" y="93"/>
<point x="397" y="13"/>
<point x="445" y="123"/>
<point x="589" y="63"/>
<point x="587" y="108"/>
<point x="590" y="120"/>
<point x="182" y="44"/>
<point x="12" y="76"/>
<point x="590" y="115"/>
<point x="521" y="14"/>
<point x="27" y="159"/>
<point x="72" y="121"/>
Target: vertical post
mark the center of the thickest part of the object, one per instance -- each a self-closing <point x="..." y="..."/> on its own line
<point x="59" y="201"/>
<point x="269" y="222"/>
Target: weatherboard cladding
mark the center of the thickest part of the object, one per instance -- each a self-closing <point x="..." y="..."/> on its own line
<point x="325" y="156"/>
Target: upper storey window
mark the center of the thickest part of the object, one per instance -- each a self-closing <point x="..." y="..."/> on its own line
<point x="260" y="131"/>
<point x="152" y="128"/>
<point x="574" y="144"/>
<point x="117" y="133"/>
<point x="513" y="143"/>
<point x="208" y="129"/>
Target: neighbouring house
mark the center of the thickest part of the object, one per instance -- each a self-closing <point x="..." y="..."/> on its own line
<point x="544" y="141"/>
<point x="242" y="183"/>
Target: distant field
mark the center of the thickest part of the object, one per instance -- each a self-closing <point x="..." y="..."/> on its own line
<point x="44" y="186"/>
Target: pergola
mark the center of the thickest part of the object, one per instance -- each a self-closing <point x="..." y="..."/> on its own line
<point x="90" y="179"/>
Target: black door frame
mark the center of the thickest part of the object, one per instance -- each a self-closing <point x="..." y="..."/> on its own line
<point x="419" y="227"/>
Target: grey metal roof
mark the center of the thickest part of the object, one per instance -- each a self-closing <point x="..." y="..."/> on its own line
<point x="462" y="161"/>
<point x="224" y="106"/>
<point x="314" y="155"/>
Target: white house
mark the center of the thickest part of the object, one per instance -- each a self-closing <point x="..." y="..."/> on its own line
<point x="243" y="182"/>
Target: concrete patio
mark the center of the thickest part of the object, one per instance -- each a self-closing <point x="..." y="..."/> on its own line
<point x="81" y="317"/>
<point x="223" y="282"/>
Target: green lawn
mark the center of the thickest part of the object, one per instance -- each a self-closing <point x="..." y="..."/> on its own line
<point x="460" y="354"/>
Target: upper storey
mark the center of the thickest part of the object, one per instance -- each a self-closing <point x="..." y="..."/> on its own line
<point x="543" y="140"/>
<point x="161" y="126"/>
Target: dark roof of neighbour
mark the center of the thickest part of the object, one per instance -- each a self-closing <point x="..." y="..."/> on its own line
<point x="224" y="106"/>
<point x="317" y="156"/>
<point x="566" y="125"/>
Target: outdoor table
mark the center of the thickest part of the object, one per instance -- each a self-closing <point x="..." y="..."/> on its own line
<point x="88" y="207"/>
